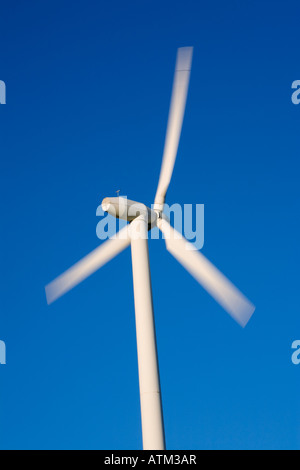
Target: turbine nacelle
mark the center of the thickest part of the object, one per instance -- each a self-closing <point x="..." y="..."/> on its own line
<point x="123" y="208"/>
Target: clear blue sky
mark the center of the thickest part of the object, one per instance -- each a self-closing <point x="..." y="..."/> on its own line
<point x="88" y="91"/>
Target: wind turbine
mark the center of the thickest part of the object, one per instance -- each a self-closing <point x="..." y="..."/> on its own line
<point x="142" y="219"/>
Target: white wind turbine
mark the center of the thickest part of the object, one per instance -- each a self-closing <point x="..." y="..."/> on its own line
<point x="141" y="220"/>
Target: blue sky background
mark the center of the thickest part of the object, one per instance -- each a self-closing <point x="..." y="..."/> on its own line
<point x="88" y="92"/>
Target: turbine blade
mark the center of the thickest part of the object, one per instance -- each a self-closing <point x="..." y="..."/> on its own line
<point x="88" y="265"/>
<point x="177" y="108"/>
<point x="215" y="283"/>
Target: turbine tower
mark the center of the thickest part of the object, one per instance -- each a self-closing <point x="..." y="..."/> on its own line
<point x="142" y="219"/>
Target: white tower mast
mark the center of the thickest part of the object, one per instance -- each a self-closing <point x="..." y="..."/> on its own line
<point x="150" y="397"/>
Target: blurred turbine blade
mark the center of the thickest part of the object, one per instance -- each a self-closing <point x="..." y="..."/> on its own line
<point x="177" y="108"/>
<point x="88" y="265"/>
<point x="216" y="284"/>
